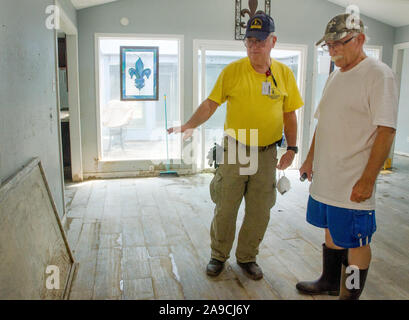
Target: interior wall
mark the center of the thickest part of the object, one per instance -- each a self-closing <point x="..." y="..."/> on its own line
<point x="69" y="9"/>
<point x="402" y="34"/>
<point x="28" y="104"/>
<point x="402" y="134"/>
<point x="297" y="22"/>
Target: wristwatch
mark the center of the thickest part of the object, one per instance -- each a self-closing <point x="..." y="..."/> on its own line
<point x="295" y="149"/>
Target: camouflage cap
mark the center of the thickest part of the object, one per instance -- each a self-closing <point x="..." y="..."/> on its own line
<point x="340" y="26"/>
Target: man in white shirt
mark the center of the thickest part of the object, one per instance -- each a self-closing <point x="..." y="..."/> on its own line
<point x="357" y="119"/>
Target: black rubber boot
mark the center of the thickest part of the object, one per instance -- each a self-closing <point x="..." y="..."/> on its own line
<point x="352" y="294"/>
<point x="330" y="279"/>
<point x="214" y="267"/>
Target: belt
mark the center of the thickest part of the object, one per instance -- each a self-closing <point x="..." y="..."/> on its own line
<point x="263" y="148"/>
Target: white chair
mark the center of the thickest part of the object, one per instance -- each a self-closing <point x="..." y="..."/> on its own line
<point x="116" y="115"/>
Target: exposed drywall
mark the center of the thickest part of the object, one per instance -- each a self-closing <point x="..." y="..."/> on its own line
<point x="36" y="262"/>
<point x="297" y="22"/>
<point x="402" y="34"/>
<point x="28" y="103"/>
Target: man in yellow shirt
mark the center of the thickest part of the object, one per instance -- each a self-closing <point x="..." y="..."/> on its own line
<point x="262" y="97"/>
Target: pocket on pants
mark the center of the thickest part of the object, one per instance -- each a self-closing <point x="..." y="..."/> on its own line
<point x="215" y="187"/>
<point x="363" y="224"/>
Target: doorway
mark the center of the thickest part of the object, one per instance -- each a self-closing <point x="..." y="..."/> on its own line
<point x="209" y="58"/>
<point x="401" y="70"/>
<point x="64" y="105"/>
<point x="68" y="105"/>
<point x="66" y="40"/>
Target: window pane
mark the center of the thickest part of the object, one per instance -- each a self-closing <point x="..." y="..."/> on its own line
<point x="135" y="130"/>
<point x="374" y="53"/>
<point x="215" y="62"/>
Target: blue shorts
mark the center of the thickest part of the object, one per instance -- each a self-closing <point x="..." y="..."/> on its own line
<point x="348" y="228"/>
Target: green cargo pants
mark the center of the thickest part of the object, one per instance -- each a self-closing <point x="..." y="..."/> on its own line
<point x="227" y="190"/>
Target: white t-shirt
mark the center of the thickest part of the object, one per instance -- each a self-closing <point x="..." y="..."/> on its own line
<point x="353" y="104"/>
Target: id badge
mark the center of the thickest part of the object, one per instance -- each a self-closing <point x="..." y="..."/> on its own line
<point x="266" y="89"/>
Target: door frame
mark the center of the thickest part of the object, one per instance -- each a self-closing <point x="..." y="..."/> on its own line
<point x="71" y="31"/>
<point x="233" y="45"/>
<point x="68" y="27"/>
<point x="397" y="70"/>
<point x="125" y="166"/>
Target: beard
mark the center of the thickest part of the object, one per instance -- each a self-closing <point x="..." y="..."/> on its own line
<point x="335" y="58"/>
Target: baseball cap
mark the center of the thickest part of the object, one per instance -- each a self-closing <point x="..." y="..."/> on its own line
<point x="260" y="26"/>
<point x="339" y="26"/>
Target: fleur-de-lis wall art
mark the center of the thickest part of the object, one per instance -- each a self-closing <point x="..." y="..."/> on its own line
<point x="244" y="14"/>
<point x="139" y="73"/>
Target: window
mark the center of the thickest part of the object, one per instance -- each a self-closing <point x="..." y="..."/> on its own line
<point x="135" y="130"/>
<point x="212" y="58"/>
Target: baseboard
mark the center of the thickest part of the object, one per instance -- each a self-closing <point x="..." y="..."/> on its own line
<point x="130" y="174"/>
<point x="401" y="153"/>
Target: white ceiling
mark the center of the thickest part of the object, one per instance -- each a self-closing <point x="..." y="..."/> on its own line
<point x="391" y="12"/>
<point x="81" y="4"/>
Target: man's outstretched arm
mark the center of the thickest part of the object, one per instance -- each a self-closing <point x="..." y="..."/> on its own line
<point x="201" y="115"/>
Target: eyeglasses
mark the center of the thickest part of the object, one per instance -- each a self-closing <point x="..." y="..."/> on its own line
<point x="251" y="42"/>
<point x="336" y="44"/>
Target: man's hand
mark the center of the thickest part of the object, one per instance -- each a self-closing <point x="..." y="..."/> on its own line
<point x="307" y="168"/>
<point x="286" y="160"/>
<point x="187" y="131"/>
<point x="362" y="190"/>
<point x="202" y="114"/>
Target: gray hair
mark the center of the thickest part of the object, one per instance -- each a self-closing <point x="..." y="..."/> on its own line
<point x="355" y="33"/>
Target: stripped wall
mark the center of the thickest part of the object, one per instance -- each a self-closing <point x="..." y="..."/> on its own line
<point x="28" y="98"/>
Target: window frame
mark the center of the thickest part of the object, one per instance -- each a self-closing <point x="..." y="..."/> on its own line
<point x="133" y="36"/>
<point x="233" y="45"/>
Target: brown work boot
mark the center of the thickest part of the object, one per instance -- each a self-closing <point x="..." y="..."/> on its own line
<point x="214" y="267"/>
<point x="252" y="270"/>
<point x="353" y="293"/>
<point x="330" y="279"/>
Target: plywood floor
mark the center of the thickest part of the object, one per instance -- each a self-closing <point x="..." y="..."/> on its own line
<point x="148" y="238"/>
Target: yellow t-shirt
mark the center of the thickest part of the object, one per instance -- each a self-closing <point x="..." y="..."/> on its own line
<point x="248" y="108"/>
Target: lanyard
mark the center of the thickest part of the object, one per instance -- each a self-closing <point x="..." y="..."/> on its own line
<point x="273" y="93"/>
<point x="269" y="73"/>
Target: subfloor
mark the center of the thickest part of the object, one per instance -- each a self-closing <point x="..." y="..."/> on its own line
<point x="148" y="238"/>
